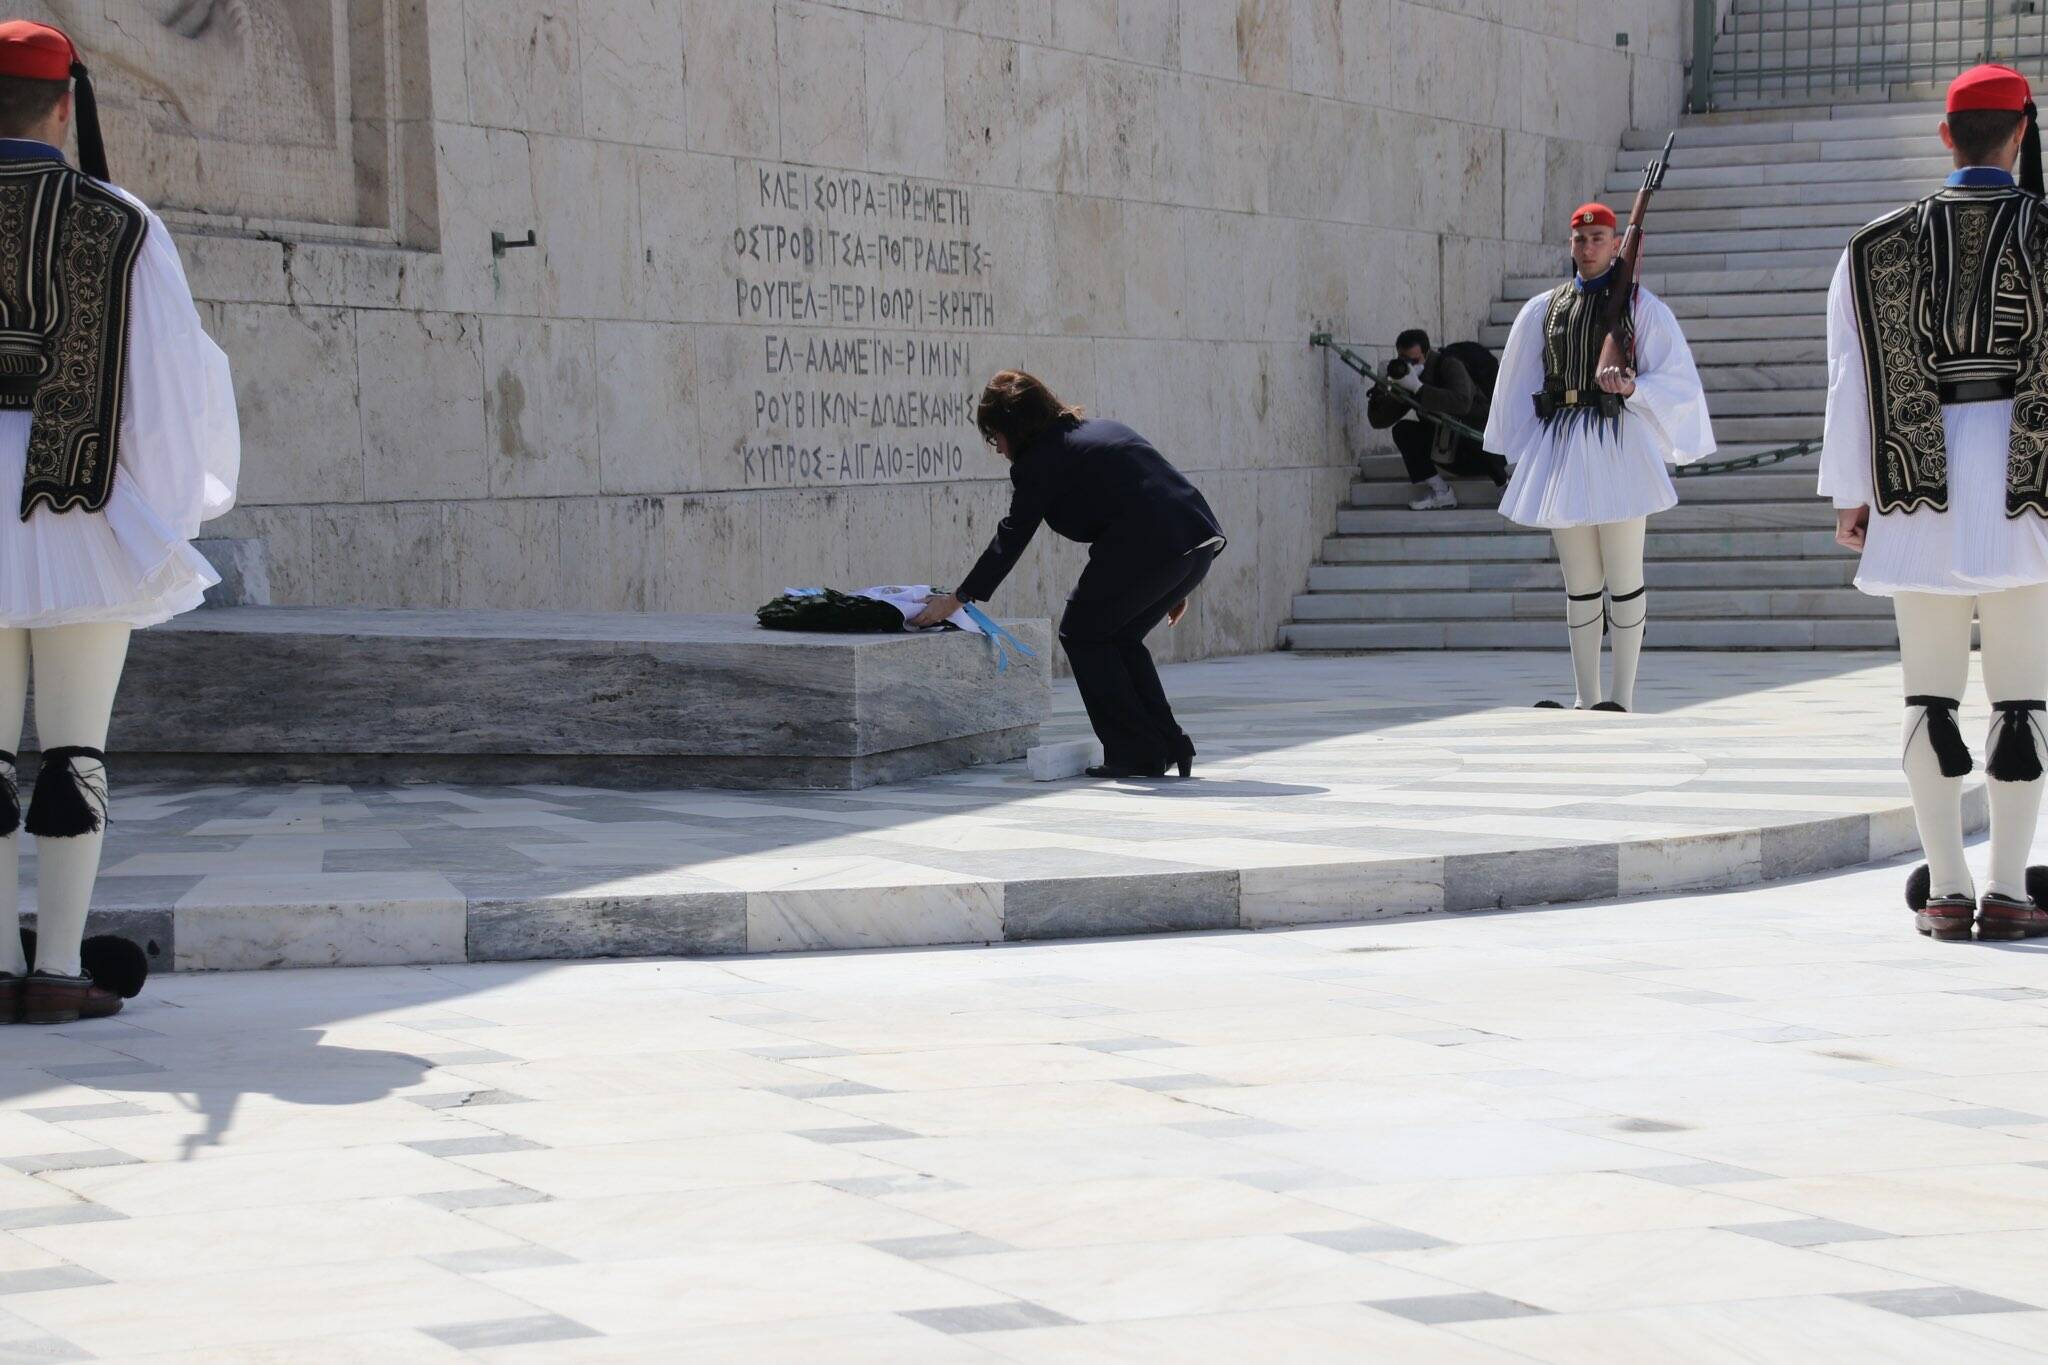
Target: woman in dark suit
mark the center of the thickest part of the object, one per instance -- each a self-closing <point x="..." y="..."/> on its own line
<point x="1151" y="539"/>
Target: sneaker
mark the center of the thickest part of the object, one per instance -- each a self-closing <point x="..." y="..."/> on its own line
<point x="1436" y="500"/>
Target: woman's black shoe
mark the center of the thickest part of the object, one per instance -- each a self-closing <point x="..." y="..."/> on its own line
<point x="1119" y="770"/>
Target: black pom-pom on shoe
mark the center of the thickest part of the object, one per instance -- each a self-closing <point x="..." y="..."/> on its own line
<point x="1610" y="706"/>
<point x="1919" y="886"/>
<point x="2037" y="884"/>
<point x="114" y="963"/>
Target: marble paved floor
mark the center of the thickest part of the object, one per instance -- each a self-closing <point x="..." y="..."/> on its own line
<point x="1328" y="788"/>
<point x="1769" y="1125"/>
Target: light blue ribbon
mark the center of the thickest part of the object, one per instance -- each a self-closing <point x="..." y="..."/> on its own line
<point x="996" y="636"/>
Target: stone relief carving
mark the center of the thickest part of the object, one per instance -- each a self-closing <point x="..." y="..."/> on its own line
<point x="259" y="111"/>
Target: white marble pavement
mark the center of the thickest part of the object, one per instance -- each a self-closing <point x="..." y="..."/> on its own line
<point x="1328" y="789"/>
<point x="1764" y="1125"/>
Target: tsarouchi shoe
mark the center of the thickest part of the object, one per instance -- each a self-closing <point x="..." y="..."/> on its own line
<point x="10" y="998"/>
<point x="1943" y="917"/>
<point x="2003" y="919"/>
<point x="47" y="998"/>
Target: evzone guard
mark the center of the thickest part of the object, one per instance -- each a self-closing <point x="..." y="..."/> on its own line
<point x="118" y="437"/>
<point x="1936" y="459"/>
<point x="1597" y="394"/>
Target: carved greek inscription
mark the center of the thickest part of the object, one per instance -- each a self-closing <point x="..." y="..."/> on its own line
<point x="867" y="291"/>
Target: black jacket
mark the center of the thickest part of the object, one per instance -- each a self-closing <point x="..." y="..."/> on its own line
<point x="1447" y="387"/>
<point x="1099" y="483"/>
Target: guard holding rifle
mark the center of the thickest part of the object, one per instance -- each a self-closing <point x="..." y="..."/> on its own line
<point x="1597" y="394"/>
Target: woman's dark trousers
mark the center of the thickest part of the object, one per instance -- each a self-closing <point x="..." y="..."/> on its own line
<point x="1118" y="601"/>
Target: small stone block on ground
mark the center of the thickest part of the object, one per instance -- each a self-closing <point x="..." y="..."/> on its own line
<point x="1070" y="758"/>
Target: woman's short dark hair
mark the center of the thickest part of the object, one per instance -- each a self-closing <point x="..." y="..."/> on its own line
<point x="1980" y="132"/>
<point x="1019" y="408"/>
<point x="25" y="103"/>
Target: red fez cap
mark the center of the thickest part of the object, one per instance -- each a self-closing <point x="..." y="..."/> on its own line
<point x="1989" y="87"/>
<point x="36" y="52"/>
<point x="1592" y="215"/>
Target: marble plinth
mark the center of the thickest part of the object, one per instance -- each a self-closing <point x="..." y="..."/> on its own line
<point x="614" y="700"/>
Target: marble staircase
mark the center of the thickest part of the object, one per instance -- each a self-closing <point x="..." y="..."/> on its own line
<point x="1744" y="240"/>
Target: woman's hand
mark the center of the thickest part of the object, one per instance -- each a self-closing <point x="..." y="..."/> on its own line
<point x="1851" y="525"/>
<point x="1175" y="612"/>
<point x="936" y="610"/>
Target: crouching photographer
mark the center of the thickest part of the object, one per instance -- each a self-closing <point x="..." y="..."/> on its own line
<point x="1420" y="383"/>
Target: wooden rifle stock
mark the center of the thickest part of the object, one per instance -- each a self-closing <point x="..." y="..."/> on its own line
<point x="1618" y="348"/>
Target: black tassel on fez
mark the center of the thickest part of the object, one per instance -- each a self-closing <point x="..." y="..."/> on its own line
<point x="2014" y="757"/>
<point x="10" y="797"/>
<point x="1942" y="732"/>
<point x="65" y="805"/>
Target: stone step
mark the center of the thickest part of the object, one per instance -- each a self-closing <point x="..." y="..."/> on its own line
<point x="1539" y="605"/>
<point x="1766" y="486"/>
<point x="1382" y="467"/>
<point x="1835" y="104"/>
<point x="1529" y="575"/>
<point x="1806" y="513"/>
<point x="1523" y="543"/>
<point x="1715" y="353"/>
<point x="1730" y="378"/>
<point x="1743" y="258"/>
<point x="1903" y="146"/>
<point x="1789" y="303"/>
<point x="1886" y="195"/>
<point x="1843" y="218"/>
<point x="1661" y="281"/>
<point x="1669" y="239"/>
<point x="1858" y="123"/>
<point x="1902" y="174"/>
<point x="1848" y="633"/>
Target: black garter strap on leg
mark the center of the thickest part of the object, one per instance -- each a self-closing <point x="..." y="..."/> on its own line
<point x="2013" y="755"/>
<point x="10" y="797"/>
<point x="1619" y="598"/>
<point x="1942" y="732"/>
<point x="65" y="805"/>
<point x="1584" y="597"/>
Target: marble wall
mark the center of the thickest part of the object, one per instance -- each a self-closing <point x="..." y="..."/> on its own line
<point x="781" y="242"/>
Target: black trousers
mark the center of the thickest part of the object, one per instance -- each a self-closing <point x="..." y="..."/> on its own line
<point x="1415" y="440"/>
<point x="1118" y="601"/>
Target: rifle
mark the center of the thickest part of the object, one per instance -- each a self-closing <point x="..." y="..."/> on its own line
<point x="1619" y="349"/>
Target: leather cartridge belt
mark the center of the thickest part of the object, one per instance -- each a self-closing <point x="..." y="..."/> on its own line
<point x="1975" y="390"/>
<point x="1550" y="402"/>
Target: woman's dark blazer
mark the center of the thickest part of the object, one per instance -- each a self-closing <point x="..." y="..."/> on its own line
<point x="1104" y="485"/>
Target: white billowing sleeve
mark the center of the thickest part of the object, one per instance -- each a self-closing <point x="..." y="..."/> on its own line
<point x="1511" y="424"/>
<point x="181" y="441"/>
<point x="1668" y="392"/>
<point x="1845" y="442"/>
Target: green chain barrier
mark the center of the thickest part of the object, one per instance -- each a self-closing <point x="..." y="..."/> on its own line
<point x="1384" y="388"/>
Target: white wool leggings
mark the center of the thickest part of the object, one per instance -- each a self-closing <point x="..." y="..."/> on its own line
<point x="1934" y="646"/>
<point x="77" y="671"/>
<point x="1603" y="584"/>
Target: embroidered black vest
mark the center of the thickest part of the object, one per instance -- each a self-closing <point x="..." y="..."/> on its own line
<point x="1950" y="305"/>
<point x="68" y="247"/>
<point x="1572" y="337"/>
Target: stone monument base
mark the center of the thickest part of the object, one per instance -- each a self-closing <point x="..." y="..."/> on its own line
<point x="585" y="699"/>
